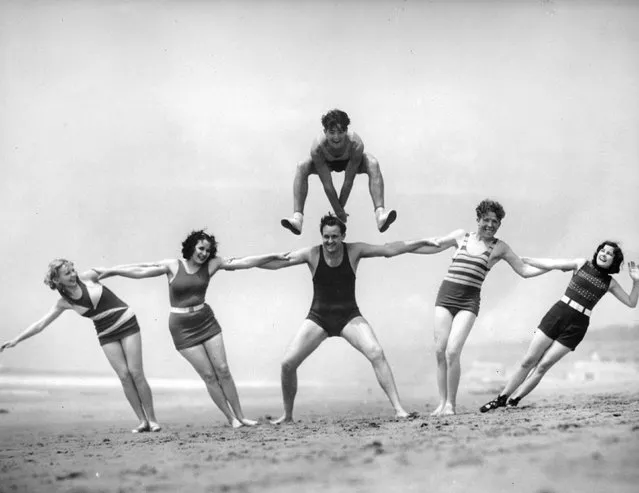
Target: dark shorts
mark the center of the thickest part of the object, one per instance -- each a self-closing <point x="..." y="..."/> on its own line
<point x="191" y="329"/>
<point x="333" y="321"/>
<point x="456" y="297"/>
<point x="339" y="165"/>
<point x="126" y="329"/>
<point x="565" y="325"/>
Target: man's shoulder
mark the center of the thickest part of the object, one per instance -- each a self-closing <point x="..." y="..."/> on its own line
<point x="356" y="247"/>
<point x="308" y="252"/>
<point x="318" y="141"/>
<point x="501" y="249"/>
<point x="354" y="138"/>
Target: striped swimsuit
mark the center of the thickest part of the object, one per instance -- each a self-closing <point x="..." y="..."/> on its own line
<point x="112" y="317"/>
<point x="461" y="287"/>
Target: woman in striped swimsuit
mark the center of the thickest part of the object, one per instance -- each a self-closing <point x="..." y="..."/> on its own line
<point x="194" y="329"/>
<point x="116" y="325"/>
<point x="458" y="299"/>
<point x="565" y="324"/>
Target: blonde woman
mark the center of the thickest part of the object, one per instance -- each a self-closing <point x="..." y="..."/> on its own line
<point x="116" y="326"/>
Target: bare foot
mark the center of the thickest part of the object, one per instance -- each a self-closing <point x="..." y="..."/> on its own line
<point x="282" y="420"/>
<point x="141" y="428"/>
<point x="403" y="414"/>
<point x="154" y="427"/>
<point x="438" y="410"/>
<point x="248" y="422"/>
<point x="236" y="423"/>
<point x="448" y="410"/>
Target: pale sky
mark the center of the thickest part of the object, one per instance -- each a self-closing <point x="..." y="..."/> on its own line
<point x="125" y="125"/>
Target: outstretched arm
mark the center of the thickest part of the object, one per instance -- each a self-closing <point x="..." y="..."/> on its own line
<point x="36" y="327"/>
<point x="364" y="250"/>
<point x="297" y="257"/>
<point x="444" y="243"/>
<point x="555" y="264"/>
<point x="231" y="263"/>
<point x="135" y="271"/>
<point x="518" y="265"/>
<point x="619" y="293"/>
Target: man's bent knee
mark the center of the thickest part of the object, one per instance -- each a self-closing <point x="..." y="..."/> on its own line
<point x="305" y="168"/>
<point x="371" y="166"/>
<point x="289" y="366"/>
<point x="375" y="353"/>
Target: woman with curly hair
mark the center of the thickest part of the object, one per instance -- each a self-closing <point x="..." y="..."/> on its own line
<point x="116" y="326"/>
<point x="458" y="299"/>
<point x="565" y="324"/>
<point x="195" y="331"/>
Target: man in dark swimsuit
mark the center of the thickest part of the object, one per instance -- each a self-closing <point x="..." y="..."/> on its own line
<point x="334" y="311"/>
<point x="338" y="150"/>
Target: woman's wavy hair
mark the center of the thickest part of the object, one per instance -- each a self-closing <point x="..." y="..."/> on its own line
<point x="188" y="245"/>
<point x="617" y="258"/>
<point x="53" y="272"/>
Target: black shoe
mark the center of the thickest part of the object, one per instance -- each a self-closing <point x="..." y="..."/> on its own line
<point x="513" y="402"/>
<point x="500" y="401"/>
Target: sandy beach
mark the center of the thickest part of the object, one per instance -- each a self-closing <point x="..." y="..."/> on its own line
<point x="571" y="438"/>
<point x="128" y="124"/>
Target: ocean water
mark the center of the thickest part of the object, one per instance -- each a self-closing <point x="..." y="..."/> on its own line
<point x="485" y="370"/>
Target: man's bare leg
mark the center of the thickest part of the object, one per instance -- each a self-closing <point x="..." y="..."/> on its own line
<point x="308" y="338"/>
<point x="443" y="324"/>
<point x="300" y="192"/>
<point x="383" y="217"/>
<point x="462" y="323"/>
<point x="360" y="335"/>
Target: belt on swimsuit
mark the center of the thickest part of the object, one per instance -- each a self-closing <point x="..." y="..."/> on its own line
<point x="576" y="306"/>
<point x="188" y="309"/>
